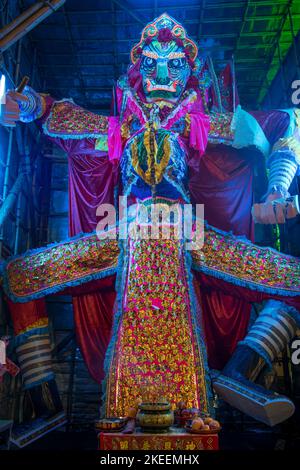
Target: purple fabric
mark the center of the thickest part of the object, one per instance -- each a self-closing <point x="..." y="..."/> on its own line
<point x="92" y="177"/>
<point x="274" y="123"/>
<point x="199" y="132"/>
<point x="222" y="181"/>
<point x="114" y="139"/>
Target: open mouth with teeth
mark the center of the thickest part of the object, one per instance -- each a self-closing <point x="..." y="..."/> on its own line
<point x="171" y="87"/>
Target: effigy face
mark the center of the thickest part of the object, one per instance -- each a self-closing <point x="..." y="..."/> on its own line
<point x="166" y="58"/>
<point x="165" y="71"/>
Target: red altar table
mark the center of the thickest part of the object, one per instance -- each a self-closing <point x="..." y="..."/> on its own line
<point x="175" y="439"/>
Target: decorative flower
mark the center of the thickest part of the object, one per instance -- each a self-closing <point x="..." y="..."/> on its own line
<point x="165" y="35"/>
<point x="179" y="42"/>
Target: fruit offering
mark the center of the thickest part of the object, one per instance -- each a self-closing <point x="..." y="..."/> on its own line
<point x="183" y="415"/>
<point x="203" y="425"/>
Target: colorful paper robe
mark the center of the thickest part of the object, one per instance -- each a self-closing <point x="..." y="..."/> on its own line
<point x="80" y="260"/>
<point x="155" y="294"/>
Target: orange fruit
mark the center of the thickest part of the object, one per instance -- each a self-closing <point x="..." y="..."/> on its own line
<point x="214" y="425"/>
<point x="197" y="424"/>
<point x="208" y="420"/>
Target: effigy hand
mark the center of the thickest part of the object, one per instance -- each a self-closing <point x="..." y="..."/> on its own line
<point x="276" y="210"/>
<point x="10" y="111"/>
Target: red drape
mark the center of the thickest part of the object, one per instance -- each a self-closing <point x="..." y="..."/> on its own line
<point x="222" y="181"/>
<point x="91" y="182"/>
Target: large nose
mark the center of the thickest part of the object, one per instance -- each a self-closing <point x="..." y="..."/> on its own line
<point x="162" y="72"/>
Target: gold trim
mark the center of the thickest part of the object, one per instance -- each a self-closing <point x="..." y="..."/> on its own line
<point x="42" y="322"/>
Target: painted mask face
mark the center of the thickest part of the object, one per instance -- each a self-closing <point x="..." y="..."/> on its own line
<point x="165" y="71"/>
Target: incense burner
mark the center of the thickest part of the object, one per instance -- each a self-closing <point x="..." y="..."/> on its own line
<point x="155" y="417"/>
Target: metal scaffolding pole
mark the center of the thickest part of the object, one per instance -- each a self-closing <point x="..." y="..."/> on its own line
<point x="282" y="76"/>
<point x="11" y="198"/>
<point x="297" y="61"/>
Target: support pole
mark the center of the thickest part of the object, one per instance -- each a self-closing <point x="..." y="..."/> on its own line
<point x="10" y="200"/>
<point x="294" y="42"/>
<point x="18" y="28"/>
<point x="22" y="17"/>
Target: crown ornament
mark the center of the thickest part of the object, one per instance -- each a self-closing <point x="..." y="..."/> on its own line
<point x="165" y="29"/>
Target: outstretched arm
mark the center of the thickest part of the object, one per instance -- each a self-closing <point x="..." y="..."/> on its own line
<point x="63" y="121"/>
<point x="283" y="164"/>
<point x="61" y="267"/>
<point x="239" y="268"/>
<point x="11" y="112"/>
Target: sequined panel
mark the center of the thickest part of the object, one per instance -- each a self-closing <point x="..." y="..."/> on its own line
<point x="56" y="267"/>
<point x="238" y="259"/>
<point x="67" y="119"/>
<point x="156" y="353"/>
<point x="220" y="127"/>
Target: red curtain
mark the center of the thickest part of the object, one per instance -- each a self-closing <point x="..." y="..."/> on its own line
<point x="222" y="181"/>
<point x="91" y="182"/>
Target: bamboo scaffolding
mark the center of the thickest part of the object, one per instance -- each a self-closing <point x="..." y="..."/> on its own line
<point x="28" y="20"/>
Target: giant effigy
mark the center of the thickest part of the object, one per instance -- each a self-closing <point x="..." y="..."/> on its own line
<point x="180" y="312"/>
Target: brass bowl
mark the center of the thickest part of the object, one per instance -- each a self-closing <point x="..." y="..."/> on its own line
<point x="155" y="417"/>
<point x="152" y="406"/>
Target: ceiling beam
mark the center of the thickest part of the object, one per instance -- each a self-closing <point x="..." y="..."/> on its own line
<point x="128" y="8"/>
<point x="209" y="6"/>
<point x="255" y="34"/>
<point x="236" y="19"/>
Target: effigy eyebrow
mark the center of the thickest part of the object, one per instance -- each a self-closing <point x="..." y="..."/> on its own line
<point x="171" y="55"/>
<point x="176" y="55"/>
<point x="151" y="54"/>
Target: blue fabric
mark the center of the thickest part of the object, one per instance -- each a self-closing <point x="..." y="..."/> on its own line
<point x="23" y="337"/>
<point x="47" y="378"/>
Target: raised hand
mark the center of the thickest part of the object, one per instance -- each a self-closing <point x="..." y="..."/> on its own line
<point x="276" y="211"/>
<point x="10" y="111"/>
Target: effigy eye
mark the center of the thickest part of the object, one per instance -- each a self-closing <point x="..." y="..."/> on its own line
<point x="149" y="62"/>
<point x="177" y="63"/>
